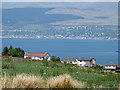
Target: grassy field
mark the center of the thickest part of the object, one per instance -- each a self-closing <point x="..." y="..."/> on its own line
<point x="91" y="78"/>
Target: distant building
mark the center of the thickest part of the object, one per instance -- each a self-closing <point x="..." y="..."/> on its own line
<point x="83" y="61"/>
<point x="72" y="60"/>
<point x="111" y="66"/>
<point x="37" y="56"/>
<point x="86" y="61"/>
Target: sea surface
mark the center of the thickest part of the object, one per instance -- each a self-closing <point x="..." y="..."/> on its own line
<point x="104" y="51"/>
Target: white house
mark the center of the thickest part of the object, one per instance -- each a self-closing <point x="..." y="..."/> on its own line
<point x="37" y="56"/>
<point x="82" y="61"/>
<point x="111" y="66"/>
<point x="86" y="61"/>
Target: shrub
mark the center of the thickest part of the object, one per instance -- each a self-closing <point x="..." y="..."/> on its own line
<point x="41" y="71"/>
<point x="7" y="60"/>
<point x="45" y="63"/>
<point x="7" y="66"/>
<point x="23" y="81"/>
<point x="53" y="65"/>
<point x="63" y="81"/>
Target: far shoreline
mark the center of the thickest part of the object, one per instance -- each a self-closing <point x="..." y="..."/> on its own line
<point x="58" y="38"/>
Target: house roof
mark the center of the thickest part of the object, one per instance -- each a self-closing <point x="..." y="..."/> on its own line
<point x="29" y="54"/>
<point x="86" y="58"/>
<point x="111" y="64"/>
<point x="5" y="56"/>
<point x="69" y="59"/>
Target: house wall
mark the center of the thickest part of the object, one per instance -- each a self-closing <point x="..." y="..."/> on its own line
<point x="93" y="61"/>
<point x="48" y="59"/>
<point x="79" y="63"/>
<point x="37" y="58"/>
<point x="82" y="63"/>
<point x="45" y="56"/>
<point x="88" y="64"/>
<point x="25" y="56"/>
<point x="110" y="67"/>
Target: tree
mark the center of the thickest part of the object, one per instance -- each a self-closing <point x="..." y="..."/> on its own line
<point x="5" y="51"/>
<point x="20" y="54"/>
<point x="10" y="47"/>
<point x="22" y="51"/>
<point x="97" y="67"/>
<point x="19" y="50"/>
<point x="53" y="58"/>
<point x="12" y="52"/>
<point x="58" y="59"/>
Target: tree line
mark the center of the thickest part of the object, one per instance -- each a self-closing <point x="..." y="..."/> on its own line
<point x="17" y="52"/>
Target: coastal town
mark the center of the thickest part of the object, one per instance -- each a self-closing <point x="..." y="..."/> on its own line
<point x="97" y="32"/>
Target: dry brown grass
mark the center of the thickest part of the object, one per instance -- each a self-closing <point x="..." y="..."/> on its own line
<point x="63" y="81"/>
<point x="0" y="84"/>
<point x="30" y="81"/>
<point x="23" y="81"/>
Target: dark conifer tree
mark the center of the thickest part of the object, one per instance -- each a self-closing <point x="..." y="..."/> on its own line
<point x="5" y="51"/>
<point x="10" y="47"/>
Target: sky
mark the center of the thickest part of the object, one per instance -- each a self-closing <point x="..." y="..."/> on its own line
<point x="60" y="0"/>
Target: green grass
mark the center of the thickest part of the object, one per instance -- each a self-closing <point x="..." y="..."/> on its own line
<point x="92" y="78"/>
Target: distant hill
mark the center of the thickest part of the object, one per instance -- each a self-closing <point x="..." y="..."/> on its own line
<point x="18" y="17"/>
<point x="60" y="22"/>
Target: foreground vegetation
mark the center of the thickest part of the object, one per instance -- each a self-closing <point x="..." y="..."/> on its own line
<point x="91" y="78"/>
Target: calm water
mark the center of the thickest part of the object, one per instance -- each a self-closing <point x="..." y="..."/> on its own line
<point x="103" y="50"/>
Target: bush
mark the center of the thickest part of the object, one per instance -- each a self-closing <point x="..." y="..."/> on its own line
<point x="53" y="64"/>
<point x="7" y="66"/>
<point x="45" y="63"/>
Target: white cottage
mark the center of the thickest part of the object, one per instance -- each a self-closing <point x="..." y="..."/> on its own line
<point x="37" y="56"/>
<point x="86" y="61"/>
<point x="111" y="66"/>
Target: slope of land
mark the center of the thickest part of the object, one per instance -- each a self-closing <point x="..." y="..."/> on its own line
<point x="91" y="77"/>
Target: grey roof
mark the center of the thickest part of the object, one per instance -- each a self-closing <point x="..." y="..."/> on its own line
<point x="86" y="58"/>
<point x="69" y="59"/>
